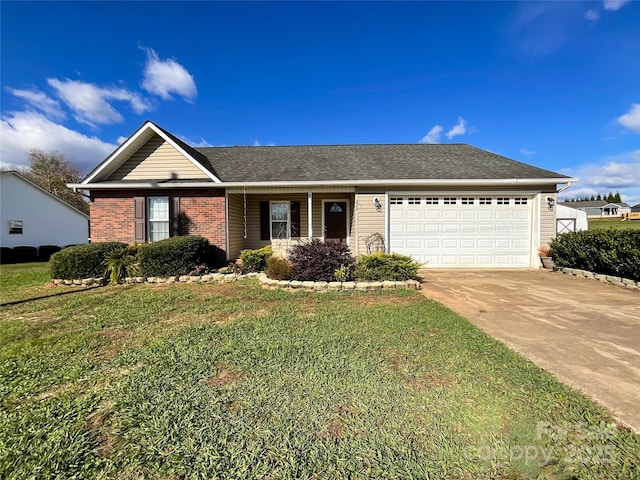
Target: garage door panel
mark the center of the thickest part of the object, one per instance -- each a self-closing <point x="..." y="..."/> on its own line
<point x="474" y="235"/>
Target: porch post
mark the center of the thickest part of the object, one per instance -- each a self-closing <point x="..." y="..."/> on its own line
<point x="310" y="214"/>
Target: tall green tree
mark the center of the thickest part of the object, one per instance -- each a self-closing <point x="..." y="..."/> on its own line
<point x="52" y="171"/>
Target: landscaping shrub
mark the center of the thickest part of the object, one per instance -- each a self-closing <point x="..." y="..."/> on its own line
<point x="24" y="254"/>
<point x="45" y="252"/>
<point x="278" y="268"/>
<point x="609" y="252"/>
<point x="255" y="260"/>
<point x="318" y="261"/>
<point x="384" y="266"/>
<point x="6" y="255"/>
<point x="82" y="261"/>
<point x="173" y="256"/>
<point x="122" y="263"/>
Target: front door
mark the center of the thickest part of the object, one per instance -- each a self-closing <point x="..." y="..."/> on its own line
<point x="335" y="222"/>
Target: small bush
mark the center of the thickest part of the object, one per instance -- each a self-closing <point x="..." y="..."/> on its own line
<point x="609" y="252"/>
<point x="6" y="255"/>
<point x="82" y="261"/>
<point x="384" y="266"/>
<point x="173" y="256"/>
<point x="255" y="260"/>
<point x="45" y="252"/>
<point x="278" y="268"/>
<point x="122" y="263"/>
<point x="25" y="254"/>
<point x="317" y="261"/>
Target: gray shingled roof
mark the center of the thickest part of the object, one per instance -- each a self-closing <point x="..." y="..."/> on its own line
<point x="593" y="204"/>
<point x="365" y="162"/>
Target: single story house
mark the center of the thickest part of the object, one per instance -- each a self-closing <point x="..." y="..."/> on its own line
<point x="445" y="205"/>
<point x="30" y="216"/>
<point x="570" y="219"/>
<point x="635" y="212"/>
<point x="600" y="208"/>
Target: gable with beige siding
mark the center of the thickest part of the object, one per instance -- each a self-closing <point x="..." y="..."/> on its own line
<point x="157" y="159"/>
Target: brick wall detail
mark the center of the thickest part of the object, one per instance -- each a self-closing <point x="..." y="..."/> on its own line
<point x="202" y="212"/>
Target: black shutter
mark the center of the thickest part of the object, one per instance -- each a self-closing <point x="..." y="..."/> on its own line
<point x="174" y="209"/>
<point x="265" y="219"/>
<point x="139" y="219"/>
<point x="295" y="219"/>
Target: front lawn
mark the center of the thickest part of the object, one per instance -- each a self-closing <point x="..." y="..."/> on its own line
<point x="233" y="381"/>
<point x="615" y="223"/>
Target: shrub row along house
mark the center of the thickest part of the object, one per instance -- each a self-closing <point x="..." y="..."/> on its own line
<point x="445" y="205"/>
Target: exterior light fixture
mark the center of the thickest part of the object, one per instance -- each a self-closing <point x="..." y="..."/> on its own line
<point x="551" y="202"/>
<point x="376" y="202"/>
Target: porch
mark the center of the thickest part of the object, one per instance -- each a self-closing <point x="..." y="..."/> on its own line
<point x="283" y="218"/>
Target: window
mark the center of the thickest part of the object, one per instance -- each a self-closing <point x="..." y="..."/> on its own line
<point x="15" y="227"/>
<point x="484" y="200"/>
<point x="158" y="218"/>
<point x="520" y="200"/>
<point x="449" y="200"/>
<point x="279" y="220"/>
<point x="431" y="200"/>
<point x="395" y="200"/>
<point x="414" y="201"/>
<point x="502" y="200"/>
<point x="467" y="201"/>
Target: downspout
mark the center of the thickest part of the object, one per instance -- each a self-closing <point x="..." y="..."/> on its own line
<point x="567" y="185"/>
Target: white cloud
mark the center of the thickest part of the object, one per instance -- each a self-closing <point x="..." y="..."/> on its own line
<point x="459" y="129"/>
<point x="89" y="102"/>
<point x="614" y="5"/>
<point x="592" y="15"/>
<point x="195" y="143"/>
<point x="527" y="153"/>
<point x="21" y="131"/>
<point x="41" y="101"/>
<point x="433" y="136"/>
<point x="618" y="173"/>
<point x="631" y="119"/>
<point x="164" y="77"/>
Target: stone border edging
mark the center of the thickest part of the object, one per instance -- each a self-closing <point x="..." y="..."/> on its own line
<point x="619" y="281"/>
<point x="265" y="282"/>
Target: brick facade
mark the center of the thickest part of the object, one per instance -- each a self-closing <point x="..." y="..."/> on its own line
<point x="202" y="212"/>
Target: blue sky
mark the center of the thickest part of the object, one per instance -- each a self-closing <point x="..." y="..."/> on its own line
<point x="554" y="84"/>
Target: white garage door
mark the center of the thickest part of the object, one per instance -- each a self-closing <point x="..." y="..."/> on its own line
<point x="462" y="231"/>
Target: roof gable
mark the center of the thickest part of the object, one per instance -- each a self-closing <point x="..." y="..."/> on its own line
<point x="185" y="161"/>
<point x="29" y="183"/>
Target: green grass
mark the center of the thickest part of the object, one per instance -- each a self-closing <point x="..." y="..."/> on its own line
<point x="615" y="223"/>
<point x="233" y="381"/>
<point x="23" y="281"/>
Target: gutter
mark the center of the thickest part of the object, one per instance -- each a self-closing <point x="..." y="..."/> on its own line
<point x="350" y="183"/>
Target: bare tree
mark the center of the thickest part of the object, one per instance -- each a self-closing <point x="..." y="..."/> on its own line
<point x="52" y="172"/>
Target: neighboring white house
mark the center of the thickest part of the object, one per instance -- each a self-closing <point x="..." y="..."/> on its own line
<point x="600" y="208"/>
<point x="31" y="216"/>
<point x="570" y="219"/>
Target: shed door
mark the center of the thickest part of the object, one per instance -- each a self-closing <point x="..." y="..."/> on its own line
<point x="454" y="231"/>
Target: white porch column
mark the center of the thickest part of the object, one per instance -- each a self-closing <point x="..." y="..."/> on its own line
<point x="310" y="214"/>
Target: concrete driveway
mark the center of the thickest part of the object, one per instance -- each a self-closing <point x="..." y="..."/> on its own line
<point x="585" y="332"/>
